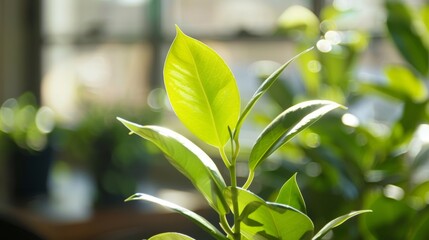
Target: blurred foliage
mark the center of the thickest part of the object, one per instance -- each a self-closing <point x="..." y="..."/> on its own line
<point x="25" y="123"/>
<point x="33" y="142"/>
<point x="376" y="156"/>
<point x="97" y="144"/>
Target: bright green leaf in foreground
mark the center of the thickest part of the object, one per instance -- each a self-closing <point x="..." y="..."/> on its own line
<point x="266" y="220"/>
<point x="291" y="195"/>
<point x="202" y="89"/>
<point x="197" y="219"/>
<point x="288" y="124"/>
<point x="189" y="159"/>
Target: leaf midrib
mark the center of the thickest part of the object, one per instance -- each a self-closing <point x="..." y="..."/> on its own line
<point x="204" y="92"/>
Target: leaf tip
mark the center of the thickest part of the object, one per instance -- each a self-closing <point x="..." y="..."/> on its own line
<point x="133" y="197"/>
<point x="123" y="121"/>
<point x="178" y="30"/>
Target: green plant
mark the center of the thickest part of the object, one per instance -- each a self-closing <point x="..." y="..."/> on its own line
<point x="203" y="93"/>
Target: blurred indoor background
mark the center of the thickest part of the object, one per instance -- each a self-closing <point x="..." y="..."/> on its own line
<point x="68" y="68"/>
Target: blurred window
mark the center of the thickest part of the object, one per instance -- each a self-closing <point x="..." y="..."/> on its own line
<point x="112" y="51"/>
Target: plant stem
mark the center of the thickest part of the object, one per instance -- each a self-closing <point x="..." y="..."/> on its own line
<point x="234" y="196"/>
<point x="233" y="171"/>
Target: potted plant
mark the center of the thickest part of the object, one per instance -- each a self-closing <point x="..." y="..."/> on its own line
<point x="203" y="93"/>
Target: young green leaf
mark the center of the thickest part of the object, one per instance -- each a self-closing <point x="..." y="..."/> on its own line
<point x="170" y="236"/>
<point x="336" y="222"/>
<point x="189" y="159"/>
<point x="267" y="220"/>
<point x="291" y="195"/>
<point x="261" y="90"/>
<point x="288" y="124"/>
<point x="197" y="219"/>
<point x="202" y="89"/>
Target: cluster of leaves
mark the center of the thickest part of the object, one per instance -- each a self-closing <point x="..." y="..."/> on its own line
<point x="374" y="162"/>
<point x="204" y="95"/>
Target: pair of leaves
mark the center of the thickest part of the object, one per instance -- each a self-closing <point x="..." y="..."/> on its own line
<point x="266" y="220"/>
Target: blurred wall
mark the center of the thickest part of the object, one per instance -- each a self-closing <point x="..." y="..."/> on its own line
<point x="19" y="47"/>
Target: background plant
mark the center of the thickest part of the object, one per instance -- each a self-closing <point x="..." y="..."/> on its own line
<point x="374" y="156"/>
<point x="204" y="95"/>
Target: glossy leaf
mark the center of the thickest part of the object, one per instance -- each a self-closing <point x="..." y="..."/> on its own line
<point x="262" y="89"/>
<point x="202" y="89"/>
<point x="291" y="195"/>
<point x="267" y="220"/>
<point x="190" y="160"/>
<point x="286" y="126"/>
<point x="197" y="219"/>
<point x="170" y="236"/>
<point x="404" y="35"/>
<point x="337" y="222"/>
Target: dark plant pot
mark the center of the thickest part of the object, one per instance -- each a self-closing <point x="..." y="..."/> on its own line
<point x="29" y="172"/>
